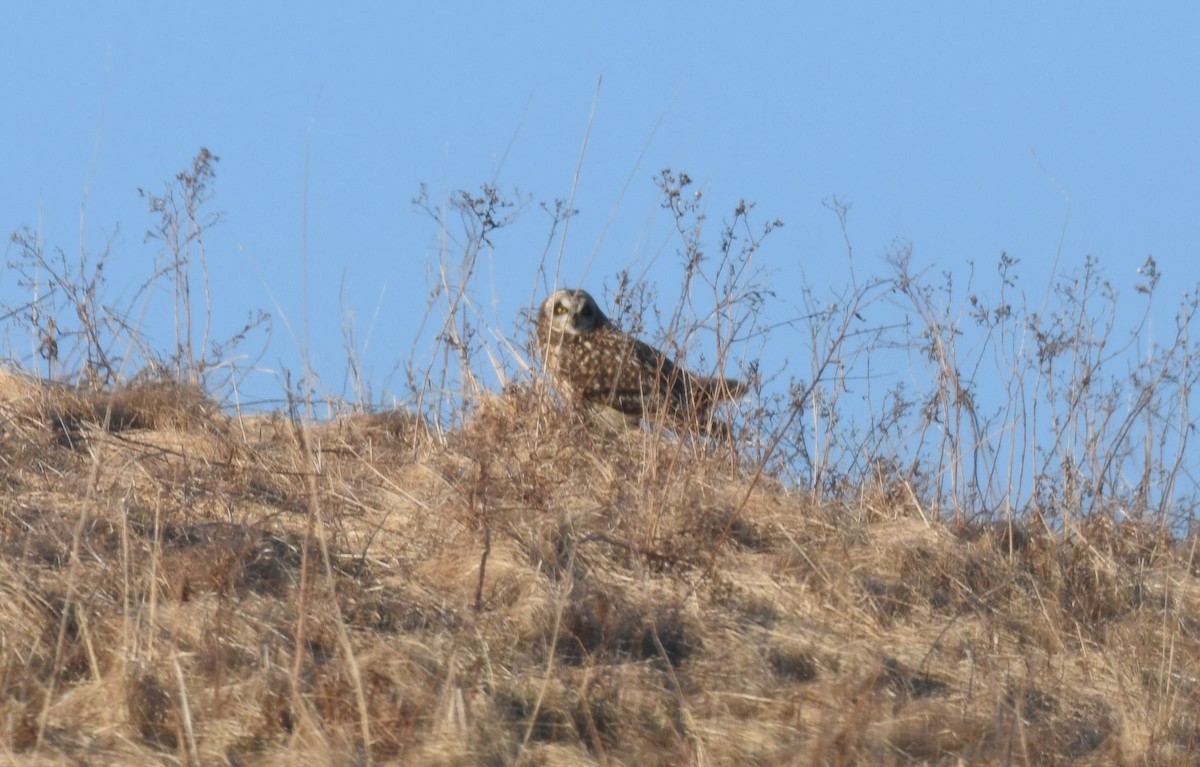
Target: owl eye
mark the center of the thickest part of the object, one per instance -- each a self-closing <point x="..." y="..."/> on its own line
<point x="559" y="309"/>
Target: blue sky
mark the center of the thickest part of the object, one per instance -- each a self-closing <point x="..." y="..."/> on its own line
<point x="963" y="129"/>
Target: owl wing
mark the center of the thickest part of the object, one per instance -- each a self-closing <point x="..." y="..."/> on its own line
<point x="613" y="370"/>
<point x="683" y="394"/>
<point x="646" y="381"/>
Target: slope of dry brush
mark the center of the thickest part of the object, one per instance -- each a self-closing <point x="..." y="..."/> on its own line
<point x="178" y="586"/>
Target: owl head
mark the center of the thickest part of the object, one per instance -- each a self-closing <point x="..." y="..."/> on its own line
<point x="571" y="312"/>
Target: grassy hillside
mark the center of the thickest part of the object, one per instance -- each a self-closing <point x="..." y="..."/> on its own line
<point x="184" y="587"/>
<point x="987" y="558"/>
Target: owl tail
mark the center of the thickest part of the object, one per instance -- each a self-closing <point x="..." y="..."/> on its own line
<point x="712" y="390"/>
<point x="724" y="388"/>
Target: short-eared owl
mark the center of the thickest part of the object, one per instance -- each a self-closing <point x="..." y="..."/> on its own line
<point x="617" y="376"/>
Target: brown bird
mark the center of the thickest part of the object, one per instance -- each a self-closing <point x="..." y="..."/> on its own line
<point x="616" y="376"/>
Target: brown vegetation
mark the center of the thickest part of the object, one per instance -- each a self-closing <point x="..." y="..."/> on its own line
<point x="997" y="566"/>
<point x="182" y="587"/>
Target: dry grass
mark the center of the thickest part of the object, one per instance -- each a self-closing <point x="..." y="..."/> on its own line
<point x="524" y="591"/>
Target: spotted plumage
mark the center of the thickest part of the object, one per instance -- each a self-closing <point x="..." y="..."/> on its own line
<point x="615" y="375"/>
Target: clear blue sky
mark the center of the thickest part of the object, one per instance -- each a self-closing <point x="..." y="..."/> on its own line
<point x="925" y="116"/>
